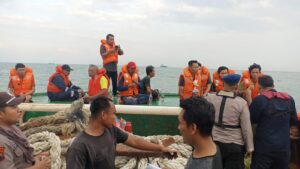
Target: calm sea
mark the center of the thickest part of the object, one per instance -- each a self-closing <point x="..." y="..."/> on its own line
<point x="166" y="78"/>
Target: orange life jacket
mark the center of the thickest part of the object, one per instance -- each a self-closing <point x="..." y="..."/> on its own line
<point x="128" y="79"/>
<point x="111" y="57"/>
<point x="95" y="85"/>
<point x="298" y="115"/>
<point x="204" y="79"/>
<point x="218" y="82"/>
<point x="247" y="81"/>
<point x="22" y="86"/>
<point x="51" y="86"/>
<point x="189" y="83"/>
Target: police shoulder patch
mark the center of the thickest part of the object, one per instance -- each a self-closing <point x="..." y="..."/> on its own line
<point x="2" y="153"/>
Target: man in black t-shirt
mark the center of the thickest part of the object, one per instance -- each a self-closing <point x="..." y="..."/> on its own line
<point x="94" y="148"/>
<point x="145" y="84"/>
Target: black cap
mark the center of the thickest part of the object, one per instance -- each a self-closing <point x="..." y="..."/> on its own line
<point x="66" y="67"/>
<point x="9" y="100"/>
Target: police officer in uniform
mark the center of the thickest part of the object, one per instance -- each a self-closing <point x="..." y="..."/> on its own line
<point x="232" y="131"/>
<point x="15" y="152"/>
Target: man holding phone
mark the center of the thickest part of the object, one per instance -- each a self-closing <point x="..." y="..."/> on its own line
<point x="109" y="52"/>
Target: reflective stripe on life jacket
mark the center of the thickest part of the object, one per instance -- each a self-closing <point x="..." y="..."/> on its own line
<point x="111" y="57"/>
<point x="247" y="81"/>
<point x="95" y="85"/>
<point x="21" y="86"/>
<point x="218" y="82"/>
<point x="51" y="86"/>
<point x="190" y="83"/>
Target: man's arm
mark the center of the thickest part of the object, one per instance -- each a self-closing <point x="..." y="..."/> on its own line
<point x="256" y="108"/>
<point x="10" y="87"/>
<point x="59" y="82"/>
<point x="208" y="86"/>
<point x="147" y="85"/>
<point x="105" y="53"/>
<point x="121" y="86"/>
<point x="246" y="128"/>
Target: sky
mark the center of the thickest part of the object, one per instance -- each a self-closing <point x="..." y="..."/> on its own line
<point x="234" y="33"/>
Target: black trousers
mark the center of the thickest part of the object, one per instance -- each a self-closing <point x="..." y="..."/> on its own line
<point x="113" y="76"/>
<point x="279" y="160"/>
<point x="232" y="155"/>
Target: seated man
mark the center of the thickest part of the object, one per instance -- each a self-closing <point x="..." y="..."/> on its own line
<point x="98" y="83"/>
<point x="21" y="82"/>
<point x="60" y="88"/>
<point x="128" y="86"/>
<point x="145" y="85"/>
<point x="218" y="83"/>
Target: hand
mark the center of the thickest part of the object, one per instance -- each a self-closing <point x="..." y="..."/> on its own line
<point x="132" y="85"/>
<point x="294" y="133"/>
<point x="42" y="164"/>
<point x="169" y="152"/>
<point x="248" y="154"/>
<point x="28" y="98"/>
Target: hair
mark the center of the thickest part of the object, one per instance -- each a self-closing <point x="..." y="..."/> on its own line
<point x="191" y="62"/>
<point x="19" y="65"/>
<point x="92" y="65"/>
<point x="221" y="68"/>
<point x="266" y="81"/>
<point x="109" y="35"/>
<point x="200" y="112"/>
<point x="199" y="64"/>
<point x="254" y="66"/>
<point x="149" y="69"/>
<point x="98" y="105"/>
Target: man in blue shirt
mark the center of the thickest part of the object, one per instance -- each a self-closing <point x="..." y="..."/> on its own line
<point x="275" y="114"/>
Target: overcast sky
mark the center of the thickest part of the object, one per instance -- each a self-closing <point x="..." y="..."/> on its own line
<point x="235" y="33"/>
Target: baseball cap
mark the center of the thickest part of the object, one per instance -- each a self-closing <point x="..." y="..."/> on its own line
<point x="9" y="100"/>
<point x="66" y="67"/>
<point x="131" y="65"/>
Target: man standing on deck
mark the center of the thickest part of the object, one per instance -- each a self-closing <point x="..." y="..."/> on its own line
<point x="95" y="147"/>
<point x="232" y="130"/>
<point x="189" y="84"/>
<point x="15" y="151"/>
<point x="275" y="115"/>
<point x="206" y="81"/>
<point x="109" y="52"/>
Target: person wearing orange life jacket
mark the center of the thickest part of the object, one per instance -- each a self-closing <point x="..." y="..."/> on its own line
<point x="205" y="80"/>
<point x="98" y="83"/>
<point x="128" y="86"/>
<point x="22" y="82"/>
<point x="249" y="82"/>
<point x="189" y="84"/>
<point x="60" y="88"/>
<point x="109" y="52"/>
<point x="218" y="83"/>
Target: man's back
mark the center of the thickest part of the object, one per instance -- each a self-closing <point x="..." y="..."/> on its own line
<point x="273" y="118"/>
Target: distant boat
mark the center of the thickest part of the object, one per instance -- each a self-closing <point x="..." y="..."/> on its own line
<point x="164" y="66"/>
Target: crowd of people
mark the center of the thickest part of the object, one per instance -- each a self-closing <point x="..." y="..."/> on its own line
<point x="218" y="115"/>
